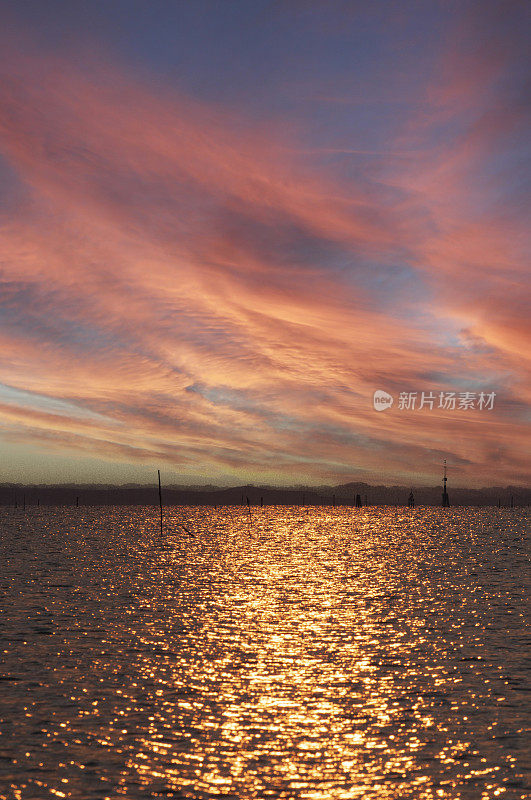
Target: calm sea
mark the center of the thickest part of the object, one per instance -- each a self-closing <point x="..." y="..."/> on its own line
<point x="320" y="654"/>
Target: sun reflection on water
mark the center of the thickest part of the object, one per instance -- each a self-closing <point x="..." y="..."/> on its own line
<point x="318" y="654"/>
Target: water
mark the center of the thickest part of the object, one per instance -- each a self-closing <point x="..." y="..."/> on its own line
<point x="321" y="654"/>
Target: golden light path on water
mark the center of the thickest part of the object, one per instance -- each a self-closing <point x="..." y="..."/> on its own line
<point x="298" y="653"/>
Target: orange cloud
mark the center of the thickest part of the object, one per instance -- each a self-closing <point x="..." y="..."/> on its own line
<point x="224" y="307"/>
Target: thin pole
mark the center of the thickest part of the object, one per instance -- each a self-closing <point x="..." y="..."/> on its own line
<point x="160" y="502"/>
<point x="249" y="509"/>
<point x="445" y="498"/>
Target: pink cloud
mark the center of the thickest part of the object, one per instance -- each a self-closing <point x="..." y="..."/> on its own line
<point x="163" y="273"/>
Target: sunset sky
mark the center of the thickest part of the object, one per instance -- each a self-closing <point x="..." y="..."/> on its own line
<point x="225" y="225"/>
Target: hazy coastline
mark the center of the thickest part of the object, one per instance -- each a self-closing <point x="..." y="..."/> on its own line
<point x="343" y="494"/>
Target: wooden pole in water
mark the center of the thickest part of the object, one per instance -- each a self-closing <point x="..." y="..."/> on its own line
<point x="160" y="502"/>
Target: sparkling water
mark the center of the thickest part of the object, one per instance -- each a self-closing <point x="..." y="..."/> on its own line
<point x="278" y="653"/>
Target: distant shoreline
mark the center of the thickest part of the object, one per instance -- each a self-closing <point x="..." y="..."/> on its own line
<point x="341" y="495"/>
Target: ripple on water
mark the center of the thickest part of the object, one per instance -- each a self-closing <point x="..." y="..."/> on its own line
<point x="310" y="653"/>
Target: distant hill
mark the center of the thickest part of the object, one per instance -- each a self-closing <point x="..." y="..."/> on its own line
<point x="344" y="494"/>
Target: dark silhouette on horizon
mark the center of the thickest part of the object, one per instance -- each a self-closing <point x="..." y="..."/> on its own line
<point x="160" y="502"/>
<point x="42" y="496"/>
<point x="445" y="498"/>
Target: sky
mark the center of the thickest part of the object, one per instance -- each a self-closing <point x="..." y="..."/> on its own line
<point x="225" y="225"/>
